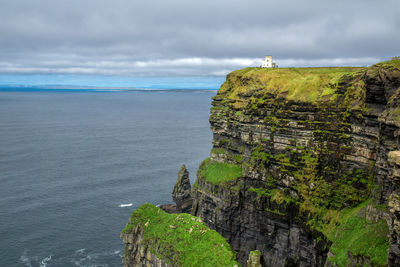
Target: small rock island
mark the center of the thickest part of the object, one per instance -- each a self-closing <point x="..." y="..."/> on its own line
<point x="304" y="171"/>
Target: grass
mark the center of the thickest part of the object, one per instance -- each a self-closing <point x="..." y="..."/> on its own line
<point x="335" y="208"/>
<point x="219" y="172"/>
<point x="394" y="114"/>
<point x="359" y="236"/>
<point x="300" y="84"/>
<point x="390" y="63"/>
<point x="181" y="239"/>
<point x="238" y="113"/>
<point x="219" y="151"/>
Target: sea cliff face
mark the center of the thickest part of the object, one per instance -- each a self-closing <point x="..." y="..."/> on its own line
<point x="305" y="166"/>
<point x="315" y="181"/>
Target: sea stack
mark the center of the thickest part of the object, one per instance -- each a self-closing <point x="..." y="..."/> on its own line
<point x="182" y="191"/>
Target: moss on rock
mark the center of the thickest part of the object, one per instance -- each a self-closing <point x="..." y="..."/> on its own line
<point x="394" y="63"/>
<point x="353" y="234"/>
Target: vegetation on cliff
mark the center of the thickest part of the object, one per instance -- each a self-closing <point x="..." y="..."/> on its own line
<point x="180" y="239"/>
<point x="352" y="232"/>
<point x="310" y="85"/>
<point x="297" y="147"/>
<point x="300" y="132"/>
<point x="394" y="63"/>
<point x="219" y="172"/>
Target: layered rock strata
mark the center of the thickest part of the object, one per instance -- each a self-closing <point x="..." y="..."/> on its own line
<point x="137" y="253"/>
<point x="304" y="170"/>
<point x="313" y="147"/>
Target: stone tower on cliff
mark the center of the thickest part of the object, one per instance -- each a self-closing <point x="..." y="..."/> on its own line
<point x="267" y="62"/>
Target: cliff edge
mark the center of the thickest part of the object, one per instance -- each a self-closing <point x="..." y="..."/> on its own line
<point x="299" y="168"/>
<point x="305" y="166"/>
<point x="155" y="238"/>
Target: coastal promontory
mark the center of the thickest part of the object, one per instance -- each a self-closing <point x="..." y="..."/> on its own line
<point x="304" y="171"/>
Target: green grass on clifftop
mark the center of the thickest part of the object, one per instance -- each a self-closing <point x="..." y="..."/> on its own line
<point x="219" y="172"/>
<point x="181" y="239"/>
<point x="299" y="84"/>
<point x="395" y="63"/>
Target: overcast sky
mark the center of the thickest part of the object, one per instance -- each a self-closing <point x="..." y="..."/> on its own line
<point x="184" y="37"/>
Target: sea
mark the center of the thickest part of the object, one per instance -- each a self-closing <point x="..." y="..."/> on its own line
<point x="75" y="164"/>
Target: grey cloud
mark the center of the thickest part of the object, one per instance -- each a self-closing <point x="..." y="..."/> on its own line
<point x="114" y="37"/>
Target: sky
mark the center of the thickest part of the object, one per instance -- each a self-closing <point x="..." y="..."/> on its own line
<point x="177" y="38"/>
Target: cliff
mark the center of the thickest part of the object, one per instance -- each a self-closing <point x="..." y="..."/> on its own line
<point x="305" y="166"/>
<point x="155" y="238"/>
<point x="299" y="168"/>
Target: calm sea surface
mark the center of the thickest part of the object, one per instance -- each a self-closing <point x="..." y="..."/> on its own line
<point x="68" y="160"/>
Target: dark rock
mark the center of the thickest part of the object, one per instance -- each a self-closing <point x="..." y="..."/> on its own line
<point x="241" y="217"/>
<point x="170" y="208"/>
<point x="182" y="191"/>
<point x="137" y="253"/>
<point x="381" y="84"/>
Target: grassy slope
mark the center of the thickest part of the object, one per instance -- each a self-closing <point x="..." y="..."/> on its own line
<point x="181" y="237"/>
<point x="300" y="84"/>
<point x="350" y="231"/>
<point x="219" y="172"/>
<point x="390" y="64"/>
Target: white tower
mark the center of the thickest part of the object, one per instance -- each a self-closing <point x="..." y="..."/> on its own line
<point x="267" y="62"/>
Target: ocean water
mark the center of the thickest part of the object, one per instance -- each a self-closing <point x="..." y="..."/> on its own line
<point x="104" y="82"/>
<point x="75" y="165"/>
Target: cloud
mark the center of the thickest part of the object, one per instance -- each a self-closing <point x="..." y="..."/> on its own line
<point x="177" y="37"/>
<point x="183" y="66"/>
<point x="165" y="67"/>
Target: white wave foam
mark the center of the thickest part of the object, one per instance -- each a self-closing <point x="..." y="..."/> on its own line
<point x="125" y="205"/>
<point x="25" y="259"/>
<point x="80" y="251"/>
<point x="28" y="261"/>
<point x="43" y="263"/>
<point x="85" y="258"/>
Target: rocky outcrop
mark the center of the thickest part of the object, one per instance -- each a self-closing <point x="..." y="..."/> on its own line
<point x="254" y="259"/>
<point x="153" y="237"/>
<point x="181" y="194"/>
<point x="182" y="191"/>
<point x="170" y="208"/>
<point x="313" y="147"/>
<point x="137" y="253"/>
